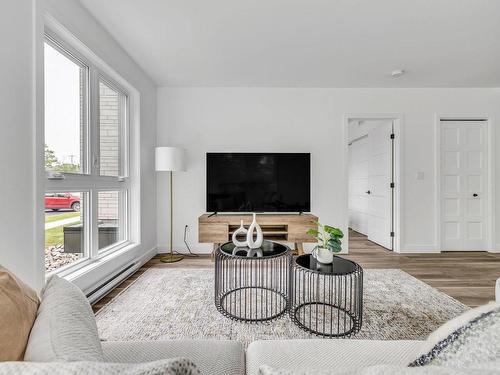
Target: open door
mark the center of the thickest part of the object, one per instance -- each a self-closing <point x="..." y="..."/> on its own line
<point x="381" y="184"/>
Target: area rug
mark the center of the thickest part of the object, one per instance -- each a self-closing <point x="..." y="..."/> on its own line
<point x="168" y="303"/>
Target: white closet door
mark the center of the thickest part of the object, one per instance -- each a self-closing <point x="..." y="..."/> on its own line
<point x="380" y="177"/>
<point x="463" y="186"/>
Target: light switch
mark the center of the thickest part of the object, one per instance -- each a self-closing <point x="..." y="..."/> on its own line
<point x="419" y="176"/>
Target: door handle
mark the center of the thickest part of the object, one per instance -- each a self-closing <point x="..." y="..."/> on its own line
<point x="474" y="195"/>
<point x="368" y="192"/>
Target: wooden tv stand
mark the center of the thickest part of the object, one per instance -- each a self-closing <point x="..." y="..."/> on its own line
<point x="219" y="228"/>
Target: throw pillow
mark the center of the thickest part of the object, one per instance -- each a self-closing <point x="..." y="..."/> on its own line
<point x="65" y="328"/>
<point x="18" y="307"/>
<point x="467" y="341"/>
<point x="174" y="366"/>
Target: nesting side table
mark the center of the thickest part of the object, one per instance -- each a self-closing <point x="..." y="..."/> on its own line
<point x="252" y="285"/>
<point x="326" y="300"/>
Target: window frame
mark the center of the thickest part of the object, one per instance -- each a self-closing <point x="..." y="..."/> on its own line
<point x="91" y="182"/>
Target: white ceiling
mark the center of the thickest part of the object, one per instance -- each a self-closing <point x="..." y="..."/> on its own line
<point x="304" y="43"/>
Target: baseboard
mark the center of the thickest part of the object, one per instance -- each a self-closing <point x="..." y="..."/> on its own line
<point x="496" y="249"/>
<point x="181" y="248"/>
<point x="147" y="256"/>
<point x="419" y="249"/>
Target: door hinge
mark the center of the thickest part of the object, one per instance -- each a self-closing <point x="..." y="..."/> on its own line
<point x="392" y="234"/>
<point x="392" y="185"/>
<point x="392" y="136"/>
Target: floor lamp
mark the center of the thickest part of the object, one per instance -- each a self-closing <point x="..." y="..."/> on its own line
<point x="170" y="159"/>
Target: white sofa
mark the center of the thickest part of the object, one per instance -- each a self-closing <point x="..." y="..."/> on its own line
<point x="212" y="357"/>
<point x="219" y="357"/>
<point x="323" y="354"/>
<point x="228" y="357"/>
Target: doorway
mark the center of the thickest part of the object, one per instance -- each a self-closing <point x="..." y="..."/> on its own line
<point x="371" y="179"/>
<point x="464" y="181"/>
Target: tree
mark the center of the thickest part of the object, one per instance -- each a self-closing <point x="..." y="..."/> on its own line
<point x="68" y="168"/>
<point x="51" y="162"/>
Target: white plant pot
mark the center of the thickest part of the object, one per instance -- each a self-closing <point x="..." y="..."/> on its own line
<point x="324" y="256"/>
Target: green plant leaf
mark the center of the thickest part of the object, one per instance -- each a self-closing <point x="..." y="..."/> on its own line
<point x="334" y="244"/>
<point x="336" y="232"/>
<point x="334" y="247"/>
<point x="313" y="232"/>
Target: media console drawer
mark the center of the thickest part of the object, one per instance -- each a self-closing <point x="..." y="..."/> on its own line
<point x="213" y="232"/>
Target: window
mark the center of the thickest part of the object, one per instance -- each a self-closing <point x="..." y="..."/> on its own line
<point x="65" y="229"/>
<point x="86" y="158"/>
<point x="112" y="116"/>
<point x="65" y="111"/>
<point x="111" y="210"/>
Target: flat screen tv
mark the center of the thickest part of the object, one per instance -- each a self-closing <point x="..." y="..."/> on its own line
<point x="258" y="182"/>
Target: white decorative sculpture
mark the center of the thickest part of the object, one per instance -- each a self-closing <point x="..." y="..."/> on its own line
<point x="240" y="231"/>
<point x="258" y="241"/>
<point x="255" y="253"/>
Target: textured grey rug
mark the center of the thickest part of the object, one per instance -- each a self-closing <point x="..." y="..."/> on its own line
<point x="178" y="303"/>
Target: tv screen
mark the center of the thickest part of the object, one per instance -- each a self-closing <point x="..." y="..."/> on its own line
<point x="258" y="182"/>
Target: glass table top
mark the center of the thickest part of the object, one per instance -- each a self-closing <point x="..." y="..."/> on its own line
<point x="268" y="249"/>
<point x="340" y="266"/>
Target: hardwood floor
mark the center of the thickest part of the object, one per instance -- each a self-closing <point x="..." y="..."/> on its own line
<point x="466" y="276"/>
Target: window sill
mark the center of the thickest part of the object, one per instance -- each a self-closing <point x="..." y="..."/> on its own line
<point x="84" y="266"/>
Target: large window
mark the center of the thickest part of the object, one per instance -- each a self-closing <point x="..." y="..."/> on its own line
<point x="86" y="158"/>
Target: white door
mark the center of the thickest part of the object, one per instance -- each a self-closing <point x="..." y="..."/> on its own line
<point x="463" y="185"/>
<point x="359" y="169"/>
<point x="380" y="177"/>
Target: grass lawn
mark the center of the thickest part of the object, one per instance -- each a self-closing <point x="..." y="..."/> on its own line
<point x="61" y="216"/>
<point x="55" y="236"/>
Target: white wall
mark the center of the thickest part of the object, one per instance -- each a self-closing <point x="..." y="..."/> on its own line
<point x="309" y="120"/>
<point x="18" y="202"/>
<point x="21" y="173"/>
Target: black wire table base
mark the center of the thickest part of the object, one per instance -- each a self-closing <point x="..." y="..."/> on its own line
<point x="252" y="288"/>
<point x="328" y="329"/>
<point x="326" y="300"/>
<point x="259" y="312"/>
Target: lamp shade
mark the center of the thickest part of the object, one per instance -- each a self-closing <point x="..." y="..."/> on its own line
<point x="170" y="159"/>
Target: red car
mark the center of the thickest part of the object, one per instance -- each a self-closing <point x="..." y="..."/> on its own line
<point x="60" y="201"/>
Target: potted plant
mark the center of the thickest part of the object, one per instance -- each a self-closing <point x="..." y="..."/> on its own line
<point x="328" y="242"/>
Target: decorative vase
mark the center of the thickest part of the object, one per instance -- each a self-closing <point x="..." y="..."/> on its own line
<point x="241" y="231"/>
<point x="258" y="241"/>
<point x="255" y="253"/>
<point x="323" y="255"/>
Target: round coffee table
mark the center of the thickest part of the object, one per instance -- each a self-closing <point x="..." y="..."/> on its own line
<point x="252" y="284"/>
<point x="327" y="299"/>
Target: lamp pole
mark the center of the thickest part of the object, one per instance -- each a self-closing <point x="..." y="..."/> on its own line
<point x="171" y="257"/>
<point x="170" y="159"/>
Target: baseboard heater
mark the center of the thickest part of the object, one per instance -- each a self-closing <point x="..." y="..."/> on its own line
<point x="109" y="284"/>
